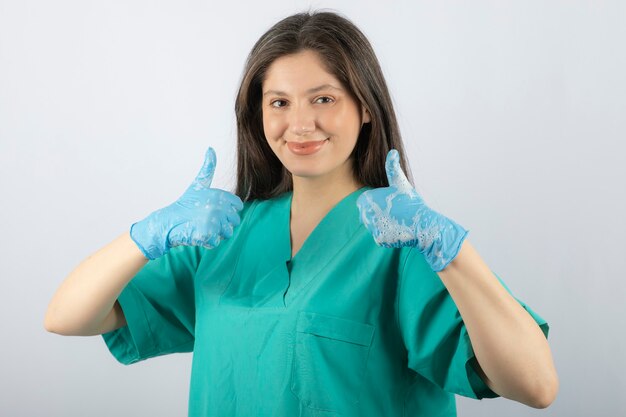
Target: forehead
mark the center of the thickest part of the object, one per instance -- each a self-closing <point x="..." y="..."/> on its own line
<point x="298" y="73"/>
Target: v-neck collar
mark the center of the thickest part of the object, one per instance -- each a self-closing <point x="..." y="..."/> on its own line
<point x="333" y="220"/>
<point x="274" y="279"/>
<point x="327" y="238"/>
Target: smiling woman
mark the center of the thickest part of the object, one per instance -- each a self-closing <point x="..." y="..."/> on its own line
<point x="324" y="285"/>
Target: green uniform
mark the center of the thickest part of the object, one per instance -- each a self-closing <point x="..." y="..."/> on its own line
<point x="345" y="328"/>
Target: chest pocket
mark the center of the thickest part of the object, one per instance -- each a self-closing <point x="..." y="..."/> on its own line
<point x="329" y="361"/>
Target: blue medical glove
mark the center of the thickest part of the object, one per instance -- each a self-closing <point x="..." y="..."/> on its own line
<point x="396" y="216"/>
<point x="202" y="216"/>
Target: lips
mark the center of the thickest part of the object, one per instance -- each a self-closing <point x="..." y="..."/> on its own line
<point x="308" y="142"/>
<point x="306" y="148"/>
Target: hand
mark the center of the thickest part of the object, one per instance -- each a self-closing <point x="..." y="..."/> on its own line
<point x="202" y="216"/>
<point x="397" y="216"/>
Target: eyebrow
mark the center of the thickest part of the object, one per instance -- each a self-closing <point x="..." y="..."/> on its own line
<point x="309" y="91"/>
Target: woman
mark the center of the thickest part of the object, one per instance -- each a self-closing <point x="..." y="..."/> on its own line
<point x="324" y="285"/>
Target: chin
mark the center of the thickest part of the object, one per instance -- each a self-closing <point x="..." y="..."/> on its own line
<point x="305" y="174"/>
<point x="307" y="169"/>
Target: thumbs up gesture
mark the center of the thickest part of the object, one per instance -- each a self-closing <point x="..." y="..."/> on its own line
<point x="397" y="216"/>
<point x="202" y="216"/>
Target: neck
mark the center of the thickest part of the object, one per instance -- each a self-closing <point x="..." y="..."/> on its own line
<point x="313" y="196"/>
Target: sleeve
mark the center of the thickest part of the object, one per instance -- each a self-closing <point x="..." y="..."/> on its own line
<point x="159" y="306"/>
<point x="434" y="334"/>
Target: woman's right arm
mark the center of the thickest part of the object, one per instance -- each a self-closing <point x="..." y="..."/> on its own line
<point x="86" y="302"/>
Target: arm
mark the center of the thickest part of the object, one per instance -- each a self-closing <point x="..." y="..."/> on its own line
<point x="513" y="355"/>
<point x="86" y="302"/>
<point x="511" y="352"/>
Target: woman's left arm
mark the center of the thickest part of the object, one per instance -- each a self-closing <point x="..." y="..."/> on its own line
<point x="513" y="355"/>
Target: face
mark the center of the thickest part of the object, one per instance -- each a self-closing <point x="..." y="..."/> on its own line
<point x="309" y="119"/>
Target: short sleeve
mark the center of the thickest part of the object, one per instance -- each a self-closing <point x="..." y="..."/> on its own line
<point x="159" y="306"/>
<point x="434" y="334"/>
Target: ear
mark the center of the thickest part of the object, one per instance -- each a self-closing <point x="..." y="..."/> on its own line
<point x="365" y="115"/>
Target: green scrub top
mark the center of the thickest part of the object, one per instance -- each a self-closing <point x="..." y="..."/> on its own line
<point x="345" y="328"/>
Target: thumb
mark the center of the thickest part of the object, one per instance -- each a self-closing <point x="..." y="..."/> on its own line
<point x="395" y="175"/>
<point x="205" y="176"/>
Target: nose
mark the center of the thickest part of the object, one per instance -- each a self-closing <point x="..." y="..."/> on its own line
<point x="302" y="121"/>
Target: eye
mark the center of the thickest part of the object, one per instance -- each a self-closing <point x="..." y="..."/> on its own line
<point x="276" y="101"/>
<point x="325" y="97"/>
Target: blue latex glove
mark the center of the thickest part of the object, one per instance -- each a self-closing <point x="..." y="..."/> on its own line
<point x="202" y="216"/>
<point x="396" y="216"/>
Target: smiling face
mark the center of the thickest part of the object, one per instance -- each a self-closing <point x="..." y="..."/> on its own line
<point x="309" y="119"/>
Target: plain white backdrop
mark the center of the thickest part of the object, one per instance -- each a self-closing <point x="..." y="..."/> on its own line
<point x="513" y="115"/>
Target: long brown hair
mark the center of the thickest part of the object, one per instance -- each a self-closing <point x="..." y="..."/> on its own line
<point x="349" y="57"/>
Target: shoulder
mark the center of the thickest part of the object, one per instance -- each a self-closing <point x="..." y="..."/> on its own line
<point x="415" y="274"/>
<point x="258" y="207"/>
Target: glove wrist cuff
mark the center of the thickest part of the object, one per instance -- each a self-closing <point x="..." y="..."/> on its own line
<point x="446" y="246"/>
<point x="148" y="244"/>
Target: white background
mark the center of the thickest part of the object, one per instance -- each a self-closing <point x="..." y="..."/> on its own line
<point x="513" y="115"/>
